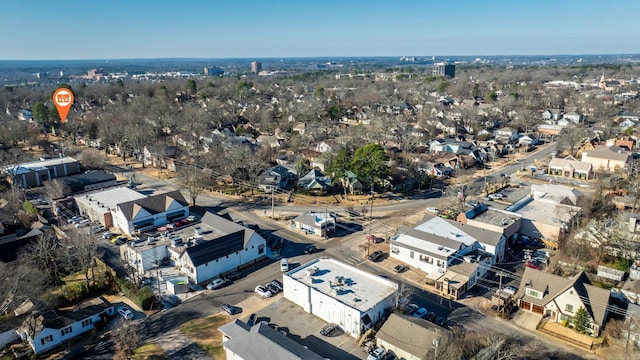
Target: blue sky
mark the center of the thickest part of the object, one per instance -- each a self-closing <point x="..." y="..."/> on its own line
<point x="114" y="29"/>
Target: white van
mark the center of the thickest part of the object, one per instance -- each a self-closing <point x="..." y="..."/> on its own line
<point x="284" y="265"/>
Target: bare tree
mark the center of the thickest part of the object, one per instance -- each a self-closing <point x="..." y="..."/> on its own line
<point x="194" y="178"/>
<point x="92" y="159"/>
<point x="20" y="282"/>
<point x="126" y="340"/>
<point x="82" y="251"/>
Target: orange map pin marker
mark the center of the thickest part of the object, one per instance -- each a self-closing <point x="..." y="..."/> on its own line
<point x="63" y="99"/>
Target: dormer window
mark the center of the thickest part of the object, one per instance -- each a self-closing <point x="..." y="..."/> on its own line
<point x="534" y="293"/>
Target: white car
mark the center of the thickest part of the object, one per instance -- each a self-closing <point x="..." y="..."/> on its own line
<point x="377" y="354"/>
<point x="432" y="210"/>
<point x="262" y="291"/>
<point x="215" y="284"/>
<point x="125" y="313"/>
<point x="284" y="265"/>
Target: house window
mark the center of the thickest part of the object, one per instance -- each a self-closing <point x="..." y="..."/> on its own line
<point x="260" y="249"/>
<point x="86" y="322"/>
<point x="252" y="246"/>
<point x="568" y="308"/>
<point x="66" y="330"/>
<point x="570" y="292"/>
<point x="411" y="254"/>
<point x="535" y="293"/>
<point x="46" y="339"/>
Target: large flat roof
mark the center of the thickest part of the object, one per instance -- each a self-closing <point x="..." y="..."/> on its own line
<point x="359" y="290"/>
<point x="110" y="198"/>
<point x="547" y="212"/>
<point x="498" y="217"/>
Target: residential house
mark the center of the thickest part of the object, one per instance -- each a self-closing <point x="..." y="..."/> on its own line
<point x="25" y="115"/>
<point x="552" y="115"/>
<point x="625" y="142"/>
<point x="506" y="134"/>
<point x="574" y="117"/>
<point x="314" y="180"/>
<point x="607" y="158"/>
<point x="268" y="140"/>
<point x="630" y="115"/>
<point x="46" y="330"/>
<point x="570" y="167"/>
<point x="278" y="177"/>
<point x="408" y="337"/>
<point x="528" y="140"/>
<point x="322" y="147"/>
<point x="449" y="145"/>
<point x="559" y="298"/>
<point x="243" y="342"/>
<point x="321" y="224"/>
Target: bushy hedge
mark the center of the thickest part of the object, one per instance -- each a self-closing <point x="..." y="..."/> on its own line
<point x="143" y="297"/>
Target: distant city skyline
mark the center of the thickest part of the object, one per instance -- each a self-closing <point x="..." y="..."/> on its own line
<point x="80" y="29"/>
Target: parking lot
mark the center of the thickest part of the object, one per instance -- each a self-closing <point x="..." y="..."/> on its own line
<point x="305" y="328"/>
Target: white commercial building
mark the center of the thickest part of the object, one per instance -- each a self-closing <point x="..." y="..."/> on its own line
<point x="341" y="294"/>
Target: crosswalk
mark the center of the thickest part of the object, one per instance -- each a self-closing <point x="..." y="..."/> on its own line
<point x="354" y="260"/>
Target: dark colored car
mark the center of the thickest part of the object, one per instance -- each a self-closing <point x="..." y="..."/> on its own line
<point x="252" y="319"/>
<point x="274" y="290"/>
<point x="376" y="255"/>
<point x="310" y="249"/>
<point x="277" y="284"/>
<point x="232" y="276"/>
<point x="231" y="309"/>
<point x="400" y="268"/>
<point x="431" y="316"/>
<point x="330" y="330"/>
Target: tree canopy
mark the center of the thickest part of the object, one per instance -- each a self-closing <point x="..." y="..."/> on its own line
<point x="371" y="162"/>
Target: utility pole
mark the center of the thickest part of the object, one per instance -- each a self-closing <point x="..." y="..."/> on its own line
<point x="273" y="211"/>
<point x="500" y="274"/>
<point x="158" y="282"/>
<point x="371" y="212"/>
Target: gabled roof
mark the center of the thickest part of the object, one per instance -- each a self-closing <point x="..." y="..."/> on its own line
<point x="408" y="333"/>
<point x="594" y="299"/>
<point x="570" y="161"/>
<point x="211" y="250"/>
<point x="260" y="340"/>
<point x="62" y="318"/>
<point x="154" y="204"/>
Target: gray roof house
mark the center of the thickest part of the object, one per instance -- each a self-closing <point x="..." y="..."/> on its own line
<point x="241" y="341"/>
<point x="559" y="298"/>
<point x="408" y="337"/>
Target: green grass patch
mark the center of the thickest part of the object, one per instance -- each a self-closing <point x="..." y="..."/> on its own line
<point x="149" y="352"/>
<point x="205" y="333"/>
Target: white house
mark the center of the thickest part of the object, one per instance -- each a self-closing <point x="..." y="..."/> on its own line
<point x="44" y="331"/>
<point x="341" y="294"/>
<point x="506" y="134"/>
<point x="218" y="246"/>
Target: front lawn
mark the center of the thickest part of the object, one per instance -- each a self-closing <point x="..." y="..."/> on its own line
<point x="204" y="332"/>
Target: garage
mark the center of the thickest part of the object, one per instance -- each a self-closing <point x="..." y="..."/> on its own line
<point x="537" y="309"/>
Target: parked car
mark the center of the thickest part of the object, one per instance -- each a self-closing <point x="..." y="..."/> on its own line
<point x="252" y="319"/>
<point x="74" y="219"/>
<point x="274" y="290"/>
<point x="169" y="301"/>
<point x="232" y="276"/>
<point x="125" y="312"/>
<point x="373" y="239"/>
<point x="377" y="354"/>
<point x="108" y="235"/>
<point x="231" y="309"/>
<point x="511" y="290"/>
<point x="216" y="284"/>
<point x="262" y="291"/>
<point x="329" y="330"/>
<point x="82" y="223"/>
<point x="277" y="284"/>
<point x="531" y="264"/>
<point x="310" y="249"/>
<point x="496" y="196"/>
<point x="410" y="309"/>
<point x="440" y="321"/>
<point x="474" y="203"/>
<point x="191" y="218"/>
<point x="400" y="268"/>
<point x="430" y="316"/>
<point x="376" y="255"/>
<point x="284" y="265"/>
<point x="420" y="313"/>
